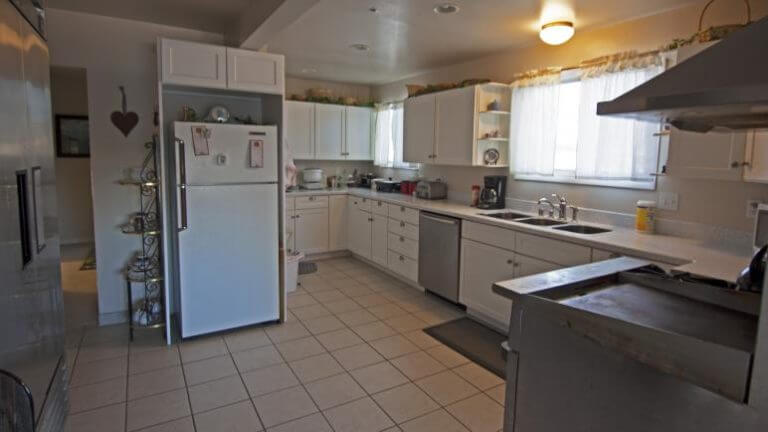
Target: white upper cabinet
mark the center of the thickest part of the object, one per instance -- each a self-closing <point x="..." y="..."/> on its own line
<point x="329" y="132"/>
<point x="455" y="127"/>
<point x="458" y="126"/>
<point x="300" y="129"/>
<point x="712" y="155"/>
<point x="193" y="64"/>
<point x="756" y="167"/>
<point x="359" y="125"/>
<point x="419" y="128"/>
<point x="256" y="72"/>
<point x="212" y="66"/>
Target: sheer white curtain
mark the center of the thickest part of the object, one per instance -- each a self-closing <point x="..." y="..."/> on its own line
<point x="388" y="138"/>
<point x="533" y="132"/>
<point x="613" y="148"/>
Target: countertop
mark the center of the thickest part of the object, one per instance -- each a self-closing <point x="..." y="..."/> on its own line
<point x="684" y="254"/>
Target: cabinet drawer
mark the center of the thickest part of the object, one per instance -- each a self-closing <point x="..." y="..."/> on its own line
<point x="554" y="251"/>
<point x="404" y="245"/>
<point x="363" y="204"/>
<point x="310" y="202"/>
<point x="404" y="229"/>
<point x="379" y="207"/>
<point x="489" y="234"/>
<point x="405" y="214"/>
<point x="290" y="204"/>
<point x="404" y="266"/>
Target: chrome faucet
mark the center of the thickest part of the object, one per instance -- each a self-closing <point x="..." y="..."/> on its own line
<point x="562" y="206"/>
<point x="546" y="201"/>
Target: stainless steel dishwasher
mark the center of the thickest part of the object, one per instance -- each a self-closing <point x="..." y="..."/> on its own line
<point x="439" y="245"/>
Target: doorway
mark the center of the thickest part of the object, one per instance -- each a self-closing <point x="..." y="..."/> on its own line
<point x="69" y="97"/>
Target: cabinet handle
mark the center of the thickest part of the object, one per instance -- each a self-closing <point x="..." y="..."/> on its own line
<point x="370" y="219"/>
<point x="379" y="203"/>
<point x="516" y="265"/>
<point x="663" y="133"/>
<point x="402" y="258"/>
<point x="402" y="239"/>
<point x="735" y="164"/>
<point x="402" y="224"/>
<point x="297" y="216"/>
<point x="402" y="209"/>
<point x="311" y="198"/>
<point x="509" y="261"/>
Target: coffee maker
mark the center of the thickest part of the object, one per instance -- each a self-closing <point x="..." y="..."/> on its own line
<point x="493" y="195"/>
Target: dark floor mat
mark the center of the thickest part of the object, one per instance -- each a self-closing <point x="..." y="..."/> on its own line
<point x="307" y="268"/>
<point x="474" y="341"/>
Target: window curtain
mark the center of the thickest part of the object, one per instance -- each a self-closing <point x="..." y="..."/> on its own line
<point x="533" y="134"/>
<point x="613" y="148"/>
<point x="388" y="138"/>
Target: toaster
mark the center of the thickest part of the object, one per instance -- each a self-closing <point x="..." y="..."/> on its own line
<point x="431" y="190"/>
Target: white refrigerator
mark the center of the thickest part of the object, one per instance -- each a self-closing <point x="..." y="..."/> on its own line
<point x="227" y="217"/>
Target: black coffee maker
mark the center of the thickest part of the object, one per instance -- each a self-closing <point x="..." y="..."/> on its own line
<point x="493" y="195"/>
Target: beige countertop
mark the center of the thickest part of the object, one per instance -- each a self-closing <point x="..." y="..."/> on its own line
<point x="685" y="255"/>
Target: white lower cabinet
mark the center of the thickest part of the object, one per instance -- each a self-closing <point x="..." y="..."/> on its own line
<point x="379" y="240"/>
<point x="311" y="230"/>
<point x="359" y="230"/>
<point x="481" y="266"/>
<point x="404" y="266"/>
<point x="337" y="222"/>
<point x="526" y="266"/>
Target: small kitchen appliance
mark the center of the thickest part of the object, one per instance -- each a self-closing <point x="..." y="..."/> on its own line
<point x="387" y="185"/>
<point x="312" y="179"/>
<point x="431" y="190"/>
<point x="494" y="192"/>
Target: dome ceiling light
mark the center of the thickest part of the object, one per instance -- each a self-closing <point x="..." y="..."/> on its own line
<point x="556" y="32"/>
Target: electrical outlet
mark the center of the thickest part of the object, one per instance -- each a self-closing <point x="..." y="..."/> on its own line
<point x="752" y="208"/>
<point x="668" y="200"/>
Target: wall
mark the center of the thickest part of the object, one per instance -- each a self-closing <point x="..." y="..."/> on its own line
<point x="299" y="86"/>
<point x="710" y="202"/>
<point x="69" y="95"/>
<point x="114" y="52"/>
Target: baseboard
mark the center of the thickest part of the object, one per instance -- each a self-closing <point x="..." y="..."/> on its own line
<point x="327" y="255"/>
<point x="111" y="318"/>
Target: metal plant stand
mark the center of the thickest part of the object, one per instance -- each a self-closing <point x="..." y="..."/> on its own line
<point x="145" y="267"/>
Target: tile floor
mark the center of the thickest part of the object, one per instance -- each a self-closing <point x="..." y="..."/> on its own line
<point x="351" y="358"/>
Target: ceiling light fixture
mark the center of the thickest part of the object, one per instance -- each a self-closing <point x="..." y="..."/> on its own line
<point x="446" y="8"/>
<point x="557" y="32"/>
<point x="360" y="47"/>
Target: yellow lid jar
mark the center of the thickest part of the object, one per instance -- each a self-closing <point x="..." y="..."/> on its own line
<point x="645" y="217"/>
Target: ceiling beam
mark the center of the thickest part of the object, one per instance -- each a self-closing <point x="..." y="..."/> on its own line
<point x="265" y="19"/>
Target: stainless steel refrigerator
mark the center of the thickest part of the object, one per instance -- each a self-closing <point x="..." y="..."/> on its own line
<point x="31" y="311"/>
<point x="227" y="234"/>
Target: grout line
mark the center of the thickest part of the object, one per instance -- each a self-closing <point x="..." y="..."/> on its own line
<point x="186" y="389"/>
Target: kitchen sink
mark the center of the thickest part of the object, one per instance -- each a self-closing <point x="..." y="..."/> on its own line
<point x="506" y="215"/>
<point x="541" y="222"/>
<point x="582" y="229"/>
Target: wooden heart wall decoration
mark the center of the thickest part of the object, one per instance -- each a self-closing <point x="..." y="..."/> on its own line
<point x="124" y="120"/>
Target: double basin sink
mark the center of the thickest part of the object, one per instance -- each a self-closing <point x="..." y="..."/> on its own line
<point x="547" y="222"/>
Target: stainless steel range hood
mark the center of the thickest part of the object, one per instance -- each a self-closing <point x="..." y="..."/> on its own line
<point x="725" y="87"/>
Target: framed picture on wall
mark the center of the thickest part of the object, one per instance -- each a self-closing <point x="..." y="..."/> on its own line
<point x="72" y="139"/>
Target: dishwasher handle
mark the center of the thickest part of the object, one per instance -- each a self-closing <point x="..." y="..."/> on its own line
<point x="441" y="220"/>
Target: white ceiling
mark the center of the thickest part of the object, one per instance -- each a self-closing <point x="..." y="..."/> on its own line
<point x="406" y="37"/>
<point x="208" y="15"/>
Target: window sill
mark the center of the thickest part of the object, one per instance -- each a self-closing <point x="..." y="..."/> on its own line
<point x="620" y="184"/>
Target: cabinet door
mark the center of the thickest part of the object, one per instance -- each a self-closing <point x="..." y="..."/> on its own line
<point x="716" y="156"/>
<point x="290" y="230"/>
<point x="379" y="233"/>
<point x="756" y="169"/>
<point x="359" y="232"/>
<point x="193" y="64"/>
<point x="329" y="132"/>
<point x="254" y="71"/>
<point x="455" y="126"/>
<point x="419" y="129"/>
<point x="527" y="266"/>
<point x="312" y="230"/>
<point x="300" y="129"/>
<point x="337" y="223"/>
<point x="357" y="139"/>
<point x="481" y="266"/>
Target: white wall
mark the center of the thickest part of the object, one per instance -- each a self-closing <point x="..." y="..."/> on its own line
<point x="114" y="52"/>
<point x="69" y="95"/>
<point x="709" y="202"/>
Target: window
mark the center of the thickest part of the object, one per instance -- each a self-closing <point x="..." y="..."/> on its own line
<point x="556" y="135"/>
<point x="388" y="139"/>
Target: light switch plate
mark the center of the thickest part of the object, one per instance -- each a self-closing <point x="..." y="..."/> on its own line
<point x="668" y="200"/>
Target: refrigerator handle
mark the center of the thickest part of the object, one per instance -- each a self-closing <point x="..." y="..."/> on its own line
<point x="182" y="185"/>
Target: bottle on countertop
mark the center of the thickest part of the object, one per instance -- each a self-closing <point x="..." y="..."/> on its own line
<point x="645" y="217"/>
<point x="475" y="195"/>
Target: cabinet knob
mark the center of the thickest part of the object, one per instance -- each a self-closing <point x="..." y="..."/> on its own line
<point x="311" y="198"/>
<point x="402" y="209"/>
<point x="402" y="258"/>
<point x="402" y="224"/>
<point x="509" y="261"/>
<point x="402" y="239"/>
<point x="297" y="216"/>
<point x="736" y="164"/>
